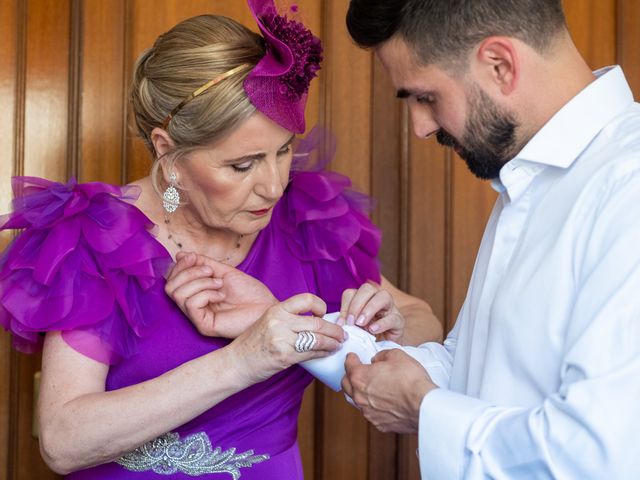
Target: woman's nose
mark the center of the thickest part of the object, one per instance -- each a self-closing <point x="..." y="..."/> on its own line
<point x="271" y="184"/>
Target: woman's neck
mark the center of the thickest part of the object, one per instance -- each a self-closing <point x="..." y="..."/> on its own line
<point x="182" y="231"/>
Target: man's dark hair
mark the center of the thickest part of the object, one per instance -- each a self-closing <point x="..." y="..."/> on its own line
<point x="441" y="31"/>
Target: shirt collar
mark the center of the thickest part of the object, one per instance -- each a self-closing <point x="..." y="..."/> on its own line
<point x="565" y="136"/>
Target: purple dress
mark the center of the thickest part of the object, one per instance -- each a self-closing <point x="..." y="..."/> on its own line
<point x="88" y="264"/>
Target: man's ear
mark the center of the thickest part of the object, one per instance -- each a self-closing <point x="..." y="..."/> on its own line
<point x="162" y="142"/>
<point x="498" y="64"/>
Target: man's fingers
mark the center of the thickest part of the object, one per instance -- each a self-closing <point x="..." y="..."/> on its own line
<point x="351" y="362"/>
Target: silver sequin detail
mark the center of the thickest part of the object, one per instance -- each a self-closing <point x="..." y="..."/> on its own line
<point x="193" y="455"/>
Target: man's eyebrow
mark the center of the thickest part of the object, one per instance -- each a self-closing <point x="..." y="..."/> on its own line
<point x="406" y="93"/>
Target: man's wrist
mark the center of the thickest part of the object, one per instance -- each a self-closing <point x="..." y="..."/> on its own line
<point x="421" y="390"/>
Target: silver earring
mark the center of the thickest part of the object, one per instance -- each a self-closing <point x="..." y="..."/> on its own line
<point x="171" y="196"/>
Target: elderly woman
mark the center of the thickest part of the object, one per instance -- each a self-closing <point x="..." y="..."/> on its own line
<point x="130" y="389"/>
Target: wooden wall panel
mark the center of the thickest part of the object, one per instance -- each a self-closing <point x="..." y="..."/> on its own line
<point x="593" y="27"/>
<point x="346" y="114"/>
<point x="9" y="15"/>
<point x="45" y="149"/>
<point x="8" y="85"/>
<point x="63" y="91"/>
<point x="471" y="203"/>
<point x="389" y="166"/>
<point x="103" y="91"/>
<point x="47" y="89"/>
<point x="628" y="42"/>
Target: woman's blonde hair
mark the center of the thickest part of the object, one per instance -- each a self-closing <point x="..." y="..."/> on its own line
<point x="182" y="60"/>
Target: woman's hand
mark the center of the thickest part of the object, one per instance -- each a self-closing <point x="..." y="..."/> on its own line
<point x="372" y="308"/>
<point x="221" y="301"/>
<point x="268" y="346"/>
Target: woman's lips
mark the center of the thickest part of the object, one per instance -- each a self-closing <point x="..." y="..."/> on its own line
<point x="260" y="213"/>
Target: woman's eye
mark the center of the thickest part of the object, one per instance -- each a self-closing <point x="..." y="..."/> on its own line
<point x="285" y="150"/>
<point x="243" y="167"/>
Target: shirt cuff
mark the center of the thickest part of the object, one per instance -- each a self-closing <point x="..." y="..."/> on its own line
<point x="444" y="423"/>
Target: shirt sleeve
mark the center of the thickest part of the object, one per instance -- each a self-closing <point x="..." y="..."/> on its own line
<point x="588" y="427"/>
<point x="436" y="358"/>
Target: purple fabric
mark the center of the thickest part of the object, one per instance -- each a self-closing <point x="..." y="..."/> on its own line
<point x="279" y="83"/>
<point x="81" y="266"/>
<point x="88" y="264"/>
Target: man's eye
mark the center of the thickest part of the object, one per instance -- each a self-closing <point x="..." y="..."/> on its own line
<point x="426" y="100"/>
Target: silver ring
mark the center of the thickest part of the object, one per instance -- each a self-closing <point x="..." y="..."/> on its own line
<point x="305" y="342"/>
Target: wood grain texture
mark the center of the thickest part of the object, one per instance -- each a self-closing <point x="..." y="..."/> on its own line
<point x="347" y="113"/>
<point x="65" y="110"/>
<point x="9" y="15"/>
<point x="389" y="162"/>
<point x="8" y="85"/>
<point x="47" y="24"/>
<point x="471" y="203"/>
<point x="592" y="24"/>
<point x="103" y="91"/>
<point x="628" y="42"/>
<point x="47" y="89"/>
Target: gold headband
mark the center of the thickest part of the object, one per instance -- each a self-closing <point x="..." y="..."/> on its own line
<point x="201" y="90"/>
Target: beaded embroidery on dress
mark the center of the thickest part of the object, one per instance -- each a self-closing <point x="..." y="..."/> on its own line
<point x="194" y="455"/>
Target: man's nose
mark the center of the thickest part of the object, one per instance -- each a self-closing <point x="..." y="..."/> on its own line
<point x="422" y="122"/>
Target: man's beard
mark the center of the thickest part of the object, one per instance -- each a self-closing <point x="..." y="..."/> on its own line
<point x="489" y="140"/>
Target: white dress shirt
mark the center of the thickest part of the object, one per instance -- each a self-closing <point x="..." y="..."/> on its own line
<point x="540" y="377"/>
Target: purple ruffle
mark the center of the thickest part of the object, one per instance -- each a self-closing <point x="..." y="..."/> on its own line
<point x="325" y="222"/>
<point x="80" y="266"/>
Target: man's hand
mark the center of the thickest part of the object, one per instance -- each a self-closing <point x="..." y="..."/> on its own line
<point x="389" y="391"/>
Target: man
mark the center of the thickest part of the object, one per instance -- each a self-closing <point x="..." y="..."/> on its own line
<point x="540" y="377"/>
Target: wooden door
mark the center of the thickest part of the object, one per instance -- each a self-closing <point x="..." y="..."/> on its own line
<point x="64" y="71"/>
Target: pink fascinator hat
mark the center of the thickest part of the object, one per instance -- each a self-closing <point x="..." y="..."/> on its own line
<point x="279" y="84"/>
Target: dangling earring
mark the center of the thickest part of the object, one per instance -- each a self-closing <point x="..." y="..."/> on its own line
<point x="171" y="196"/>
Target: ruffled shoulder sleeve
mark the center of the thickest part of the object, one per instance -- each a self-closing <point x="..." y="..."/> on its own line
<point x="327" y="223"/>
<point x="85" y="263"/>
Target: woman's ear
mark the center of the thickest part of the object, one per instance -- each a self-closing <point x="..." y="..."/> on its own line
<point x="499" y="64"/>
<point x="162" y="145"/>
<point x="161" y="141"/>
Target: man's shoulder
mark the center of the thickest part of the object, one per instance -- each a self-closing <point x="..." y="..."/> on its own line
<point x="623" y="132"/>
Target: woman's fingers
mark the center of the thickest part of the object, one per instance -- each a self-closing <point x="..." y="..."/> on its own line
<point x="187" y="290"/>
<point x="219" y="269"/>
<point x="347" y="296"/>
<point x="360" y="309"/>
<point x="183" y="276"/>
<point x="377" y="306"/>
<point x="196" y="308"/>
<point x="304" y="303"/>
